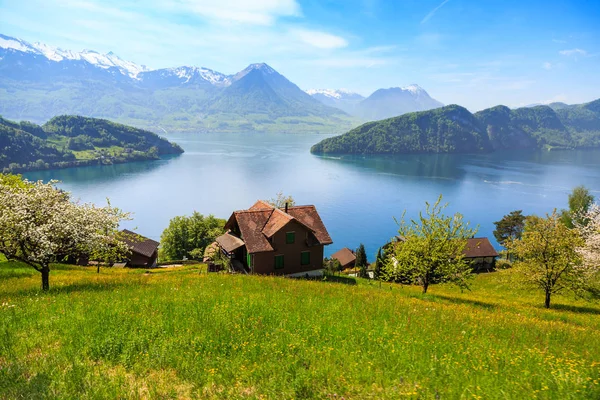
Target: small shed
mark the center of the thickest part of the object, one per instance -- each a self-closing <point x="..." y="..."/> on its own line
<point x="346" y="257"/>
<point x="481" y="253"/>
<point x="144" y="251"/>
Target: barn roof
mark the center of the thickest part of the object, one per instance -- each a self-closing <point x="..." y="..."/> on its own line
<point x="229" y="242"/>
<point x="345" y="256"/>
<point x="479" y="247"/>
<point x="139" y="244"/>
<point x="262" y="221"/>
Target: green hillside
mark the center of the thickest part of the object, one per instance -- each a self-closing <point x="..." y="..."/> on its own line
<point x="453" y="129"/>
<point x="68" y="141"/>
<point x="177" y="333"/>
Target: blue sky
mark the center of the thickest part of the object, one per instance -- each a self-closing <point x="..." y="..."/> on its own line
<point x="469" y="52"/>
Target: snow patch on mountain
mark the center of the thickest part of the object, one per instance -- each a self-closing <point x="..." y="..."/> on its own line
<point x="332" y="93"/>
<point x="15" y="44"/>
<point x="187" y="74"/>
<point x="105" y="61"/>
<point x="414" y="89"/>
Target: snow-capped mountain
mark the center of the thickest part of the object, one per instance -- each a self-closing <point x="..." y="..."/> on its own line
<point x="383" y="103"/>
<point x="166" y="77"/>
<point x="105" y="61"/>
<point x="334" y="93"/>
<point x="44" y="81"/>
<point x="386" y="103"/>
<point x="343" y="99"/>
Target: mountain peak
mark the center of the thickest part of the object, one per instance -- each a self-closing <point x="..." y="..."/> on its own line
<point x="264" y="67"/>
<point x="414" y="88"/>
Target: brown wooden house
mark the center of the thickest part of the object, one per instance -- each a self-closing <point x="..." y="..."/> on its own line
<point x="269" y="240"/>
<point x="144" y="251"/>
<point x="481" y="253"/>
<point x="346" y="257"/>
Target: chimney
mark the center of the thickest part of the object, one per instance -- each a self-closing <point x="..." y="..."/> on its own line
<point x="286" y="207"/>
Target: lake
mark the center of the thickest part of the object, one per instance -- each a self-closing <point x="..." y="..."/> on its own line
<point x="357" y="196"/>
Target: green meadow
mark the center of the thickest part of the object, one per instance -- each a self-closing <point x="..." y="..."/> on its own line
<point x="183" y="333"/>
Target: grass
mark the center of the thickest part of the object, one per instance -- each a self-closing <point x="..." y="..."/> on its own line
<point x="183" y="334"/>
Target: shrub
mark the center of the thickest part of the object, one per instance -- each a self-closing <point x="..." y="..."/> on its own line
<point x="503" y="263"/>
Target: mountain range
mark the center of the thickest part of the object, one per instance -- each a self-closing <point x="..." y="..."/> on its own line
<point x="381" y="104"/>
<point x="38" y="81"/>
<point x="453" y="129"/>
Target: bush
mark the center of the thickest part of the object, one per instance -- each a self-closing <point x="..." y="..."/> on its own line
<point x="503" y="263"/>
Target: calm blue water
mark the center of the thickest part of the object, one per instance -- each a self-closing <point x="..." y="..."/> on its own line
<point x="357" y="197"/>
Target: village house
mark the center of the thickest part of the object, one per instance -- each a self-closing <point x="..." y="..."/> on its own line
<point x="144" y="251"/>
<point x="346" y="257"/>
<point x="478" y="251"/>
<point x="272" y="241"/>
<point x="481" y="254"/>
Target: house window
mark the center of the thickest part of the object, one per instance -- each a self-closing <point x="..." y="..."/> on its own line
<point x="290" y="237"/>
<point x="279" y="261"/>
<point x="305" y="258"/>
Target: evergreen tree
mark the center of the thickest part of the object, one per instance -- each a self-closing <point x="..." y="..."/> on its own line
<point x="510" y="227"/>
<point x="378" y="264"/>
<point x="361" y="256"/>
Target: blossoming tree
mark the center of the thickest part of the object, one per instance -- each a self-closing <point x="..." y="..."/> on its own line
<point x="547" y="256"/>
<point x="431" y="249"/>
<point x="588" y="278"/>
<point x="40" y="224"/>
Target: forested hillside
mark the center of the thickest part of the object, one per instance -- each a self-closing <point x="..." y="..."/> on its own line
<point x="67" y="141"/>
<point x="453" y="129"/>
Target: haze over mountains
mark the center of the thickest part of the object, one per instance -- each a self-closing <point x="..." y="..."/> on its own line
<point x="38" y="82"/>
<point x="383" y="103"/>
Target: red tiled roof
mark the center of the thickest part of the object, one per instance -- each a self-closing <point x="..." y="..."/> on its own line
<point x="345" y="256"/>
<point x="262" y="221"/>
<point x="309" y="216"/>
<point x="251" y="224"/>
<point x="479" y="247"/>
<point x="138" y="243"/>
<point x="277" y="220"/>
<point x="261" y="205"/>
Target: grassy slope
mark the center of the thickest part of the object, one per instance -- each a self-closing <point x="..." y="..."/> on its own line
<point x="178" y="333"/>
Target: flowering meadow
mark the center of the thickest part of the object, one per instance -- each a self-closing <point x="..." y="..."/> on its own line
<point x="183" y="333"/>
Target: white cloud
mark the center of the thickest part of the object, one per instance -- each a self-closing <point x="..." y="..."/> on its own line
<point x="257" y="12"/>
<point x="319" y="39"/>
<point x="559" y="41"/>
<point x="573" y="52"/>
<point x="432" y="12"/>
<point x="547" y="65"/>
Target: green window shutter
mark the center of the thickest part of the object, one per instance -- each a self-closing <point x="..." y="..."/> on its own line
<point x="305" y="258"/>
<point x="249" y="260"/>
<point x="279" y="262"/>
<point x="290" y="237"/>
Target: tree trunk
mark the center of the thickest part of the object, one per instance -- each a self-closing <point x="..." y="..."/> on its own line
<point x="547" y="302"/>
<point x="98" y="268"/>
<point x="425" y="286"/>
<point x="45" y="277"/>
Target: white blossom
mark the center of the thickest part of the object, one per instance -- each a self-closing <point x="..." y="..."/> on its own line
<point x="39" y="224"/>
